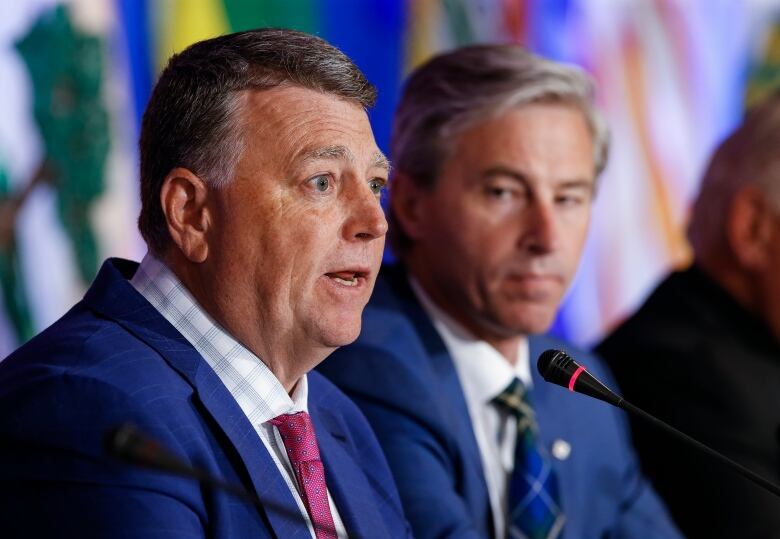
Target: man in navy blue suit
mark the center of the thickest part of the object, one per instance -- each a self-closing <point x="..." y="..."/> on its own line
<point x="496" y="157"/>
<point x="260" y="186"/>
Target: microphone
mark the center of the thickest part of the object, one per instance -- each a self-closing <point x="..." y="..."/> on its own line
<point x="128" y="443"/>
<point x="558" y="367"/>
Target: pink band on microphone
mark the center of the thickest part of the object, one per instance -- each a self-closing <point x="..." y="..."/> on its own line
<point x="574" y="377"/>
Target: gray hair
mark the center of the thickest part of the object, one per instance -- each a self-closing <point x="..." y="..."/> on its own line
<point x="457" y="90"/>
<point x="193" y="119"/>
<point x="750" y="155"/>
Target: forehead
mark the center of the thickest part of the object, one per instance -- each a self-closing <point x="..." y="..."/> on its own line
<point x="553" y="138"/>
<point x="290" y="122"/>
<point x="532" y="124"/>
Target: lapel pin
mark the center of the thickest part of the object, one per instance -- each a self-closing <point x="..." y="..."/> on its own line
<point x="561" y="449"/>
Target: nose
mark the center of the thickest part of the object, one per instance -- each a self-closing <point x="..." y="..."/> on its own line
<point x="366" y="219"/>
<point x="541" y="228"/>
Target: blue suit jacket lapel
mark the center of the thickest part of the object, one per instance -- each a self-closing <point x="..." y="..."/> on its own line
<point x="113" y="296"/>
<point x="346" y="481"/>
<point x="454" y="407"/>
<point x="546" y="397"/>
<point x="552" y="406"/>
<point x="453" y="401"/>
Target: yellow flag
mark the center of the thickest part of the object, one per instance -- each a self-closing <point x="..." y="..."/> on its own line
<point x="183" y="22"/>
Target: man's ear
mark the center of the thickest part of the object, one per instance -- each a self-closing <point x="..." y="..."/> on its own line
<point x="183" y="198"/>
<point x="749" y="228"/>
<point x="408" y="205"/>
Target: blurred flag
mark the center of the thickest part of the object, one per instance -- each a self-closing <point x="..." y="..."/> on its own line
<point x="67" y="191"/>
<point x="77" y="74"/>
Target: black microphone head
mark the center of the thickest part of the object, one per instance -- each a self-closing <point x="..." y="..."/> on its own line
<point x="129" y="443"/>
<point x="556" y="367"/>
<point x="559" y="368"/>
<point x="126" y="442"/>
<point x="116" y="440"/>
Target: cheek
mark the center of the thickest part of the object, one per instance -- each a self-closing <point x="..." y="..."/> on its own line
<point x="772" y="277"/>
<point x="284" y="254"/>
<point x="378" y="245"/>
<point x="292" y="228"/>
<point x="574" y="234"/>
<point x="571" y="251"/>
<point x="492" y="241"/>
<point x="474" y="232"/>
<point x="477" y="263"/>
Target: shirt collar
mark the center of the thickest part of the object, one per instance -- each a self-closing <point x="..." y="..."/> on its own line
<point x="483" y="371"/>
<point x="258" y="392"/>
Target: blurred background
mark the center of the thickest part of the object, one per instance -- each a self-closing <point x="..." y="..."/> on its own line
<point x="673" y="76"/>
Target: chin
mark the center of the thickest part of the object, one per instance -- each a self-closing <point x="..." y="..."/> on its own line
<point x="337" y="335"/>
<point x="529" y="322"/>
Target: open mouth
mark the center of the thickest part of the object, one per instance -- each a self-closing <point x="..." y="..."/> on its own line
<point x="347" y="278"/>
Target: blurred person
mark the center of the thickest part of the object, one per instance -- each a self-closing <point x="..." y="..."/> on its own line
<point x="260" y="187"/>
<point x="496" y="157"/>
<point x="703" y="352"/>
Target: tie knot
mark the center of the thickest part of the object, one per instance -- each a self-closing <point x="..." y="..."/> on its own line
<point x="298" y="436"/>
<point x="514" y="399"/>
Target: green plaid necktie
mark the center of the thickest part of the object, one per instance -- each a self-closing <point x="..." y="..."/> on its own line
<point x="534" y="503"/>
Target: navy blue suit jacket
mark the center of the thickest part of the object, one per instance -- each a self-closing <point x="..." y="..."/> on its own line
<point x="113" y="358"/>
<point x="402" y="377"/>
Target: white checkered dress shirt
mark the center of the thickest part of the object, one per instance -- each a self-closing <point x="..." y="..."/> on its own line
<point x="257" y="391"/>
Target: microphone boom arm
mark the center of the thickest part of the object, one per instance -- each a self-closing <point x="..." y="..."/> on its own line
<point x="736" y="466"/>
<point x="130" y="444"/>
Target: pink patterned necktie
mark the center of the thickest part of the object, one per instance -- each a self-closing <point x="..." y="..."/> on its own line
<point x="301" y="443"/>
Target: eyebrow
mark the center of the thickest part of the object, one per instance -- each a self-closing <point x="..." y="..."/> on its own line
<point x="523" y="178"/>
<point x="335" y="151"/>
<point x="579" y="183"/>
<point x="341" y="152"/>
<point x="380" y="161"/>
<point x="504" y="171"/>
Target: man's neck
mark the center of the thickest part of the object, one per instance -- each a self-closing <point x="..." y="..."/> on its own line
<point x="506" y="345"/>
<point x="283" y="358"/>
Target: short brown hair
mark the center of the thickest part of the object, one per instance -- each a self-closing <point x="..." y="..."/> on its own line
<point x="193" y="116"/>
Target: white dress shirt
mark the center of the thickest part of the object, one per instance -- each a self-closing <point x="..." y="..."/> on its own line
<point x="257" y="391"/>
<point x="484" y="373"/>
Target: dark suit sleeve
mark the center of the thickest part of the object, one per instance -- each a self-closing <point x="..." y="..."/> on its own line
<point x="56" y="481"/>
<point x="69" y="509"/>
<point x="641" y="514"/>
<point x="423" y="474"/>
<point x="401" y="413"/>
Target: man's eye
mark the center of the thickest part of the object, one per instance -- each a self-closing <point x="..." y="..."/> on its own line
<point x="570" y="200"/>
<point x="377" y="185"/>
<point x="500" y="192"/>
<point x="320" y="183"/>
